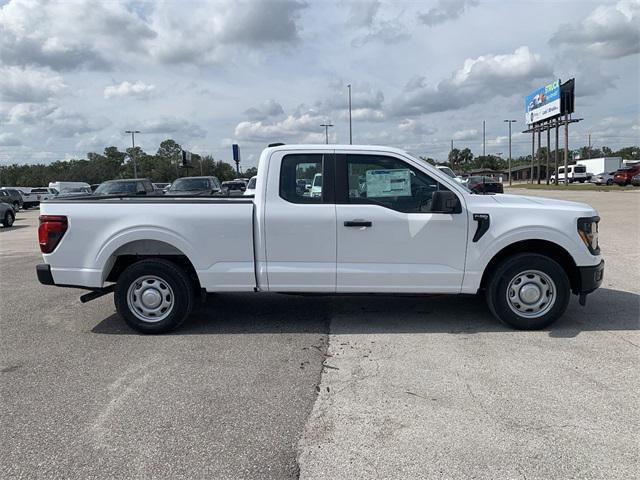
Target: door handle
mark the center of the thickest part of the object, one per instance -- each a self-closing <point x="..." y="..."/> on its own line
<point x="357" y="223"/>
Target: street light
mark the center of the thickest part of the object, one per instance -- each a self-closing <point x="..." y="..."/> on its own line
<point x="326" y="131"/>
<point x="133" y="147"/>
<point x="510" y="122"/>
<point x="350" y="131"/>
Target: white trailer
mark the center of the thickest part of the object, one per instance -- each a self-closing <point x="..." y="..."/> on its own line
<point x="601" y="165"/>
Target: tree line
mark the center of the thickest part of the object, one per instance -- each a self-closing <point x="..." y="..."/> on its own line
<point x="463" y="160"/>
<point x="163" y="166"/>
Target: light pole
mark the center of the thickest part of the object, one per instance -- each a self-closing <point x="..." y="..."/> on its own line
<point x="133" y="147"/>
<point x="326" y="131"/>
<point x="350" y="127"/>
<point x="510" y="122"/>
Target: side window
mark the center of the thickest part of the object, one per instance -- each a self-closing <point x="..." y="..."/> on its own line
<point x="389" y="182"/>
<point x="301" y="178"/>
<point x="140" y="187"/>
<point x="148" y="187"/>
<point x="560" y="169"/>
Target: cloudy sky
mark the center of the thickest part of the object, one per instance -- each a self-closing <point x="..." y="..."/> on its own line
<point x="75" y="75"/>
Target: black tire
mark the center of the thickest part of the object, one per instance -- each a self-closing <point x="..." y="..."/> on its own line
<point x="609" y="182"/>
<point x="169" y="274"/>
<point x="8" y="219"/>
<point x="508" y="270"/>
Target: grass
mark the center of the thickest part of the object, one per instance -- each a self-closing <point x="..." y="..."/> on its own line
<point x="575" y="187"/>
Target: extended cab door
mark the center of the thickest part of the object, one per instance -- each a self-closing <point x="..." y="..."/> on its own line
<point x="389" y="240"/>
<point x="300" y="222"/>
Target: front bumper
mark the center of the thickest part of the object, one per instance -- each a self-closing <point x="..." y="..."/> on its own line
<point x="590" y="278"/>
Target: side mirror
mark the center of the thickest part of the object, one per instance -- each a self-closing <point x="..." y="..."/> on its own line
<point x="445" y="201"/>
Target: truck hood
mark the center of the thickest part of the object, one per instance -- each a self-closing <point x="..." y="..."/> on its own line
<point x="540" y="202"/>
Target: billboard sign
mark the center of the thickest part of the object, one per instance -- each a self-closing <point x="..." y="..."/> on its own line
<point x="186" y="158"/>
<point x="542" y="103"/>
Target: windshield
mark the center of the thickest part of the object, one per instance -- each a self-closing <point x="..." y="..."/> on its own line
<point x="252" y="183"/>
<point x="317" y="180"/>
<point x="580" y="169"/>
<point x="114" y="188"/>
<point x="77" y="190"/>
<point x="190" y="184"/>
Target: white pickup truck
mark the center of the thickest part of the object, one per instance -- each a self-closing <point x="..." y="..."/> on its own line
<point x="384" y="222"/>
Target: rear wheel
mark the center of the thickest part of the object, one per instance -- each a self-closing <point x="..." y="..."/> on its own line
<point x="609" y="182"/>
<point x="528" y="291"/>
<point x="154" y="296"/>
<point x="8" y="219"/>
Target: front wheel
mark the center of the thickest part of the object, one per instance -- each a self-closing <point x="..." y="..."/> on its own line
<point x="528" y="291"/>
<point x="154" y="296"/>
<point x="8" y="219"/>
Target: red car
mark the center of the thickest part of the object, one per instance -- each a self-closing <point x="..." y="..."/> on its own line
<point x="624" y="175"/>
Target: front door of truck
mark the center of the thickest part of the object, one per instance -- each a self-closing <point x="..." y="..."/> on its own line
<point x="300" y="222"/>
<point x="389" y="239"/>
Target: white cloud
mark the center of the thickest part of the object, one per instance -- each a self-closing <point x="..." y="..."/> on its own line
<point x="469" y="134"/>
<point x="54" y="119"/>
<point x="479" y="80"/>
<point x="9" y="140"/>
<point x="609" y="31"/>
<point x="127" y="89"/>
<point x="302" y="124"/>
<point x="204" y="32"/>
<point x="268" y="108"/>
<point x="173" y="126"/>
<point x="445" y="11"/>
<point x="69" y="35"/>
<point x="19" y="84"/>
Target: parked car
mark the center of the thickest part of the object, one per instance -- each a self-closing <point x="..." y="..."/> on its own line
<point x="11" y="196"/>
<point x="7" y="214"/>
<point x="412" y="229"/>
<point x="161" y="187"/>
<point x="75" y="192"/>
<point x="251" y="186"/>
<point x="446" y="170"/>
<point x="575" y="173"/>
<point x="231" y="187"/>
<point x="624" y="175"/>
<point x="44" y="193"/>
<point x="484" y="185"/>
<point x="603" y="178"/>
<point x="194" y="186"/>
<point x="128" y="186"/>
<point x="66" y="187"/>
<point x="316" y="186"/>
<point x="635" y="181"/>
<point x="28" y="199"/>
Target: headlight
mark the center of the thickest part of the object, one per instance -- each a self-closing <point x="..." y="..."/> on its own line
<point x="588" y="231"/>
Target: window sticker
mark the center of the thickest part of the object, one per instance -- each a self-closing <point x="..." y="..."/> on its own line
<point x="389" y="183"/>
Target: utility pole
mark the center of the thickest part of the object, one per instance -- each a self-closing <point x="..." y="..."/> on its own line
<point x="555" y="155"/>
<point x="484" y="139"/>
<point x="546" y="172"/>
<point x="510" y="122"/>
<point x="133" y="147"/>
<point x="533" y="150"/>
<point x="566" y="148"/>
<point x="539" y="146"/>
<point x="589" y="153"/>
<point x="326" y="131"/>
<point x="350" y="126"/>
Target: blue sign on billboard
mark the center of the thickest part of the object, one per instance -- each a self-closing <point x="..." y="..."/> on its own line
<point x="542" y="103"/>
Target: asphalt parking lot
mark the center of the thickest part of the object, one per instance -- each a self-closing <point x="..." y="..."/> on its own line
<point x="275" y="386"/>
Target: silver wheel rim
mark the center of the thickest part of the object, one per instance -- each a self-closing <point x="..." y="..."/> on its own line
<point x="150" y="298"/>
<point x="531" y="294"/>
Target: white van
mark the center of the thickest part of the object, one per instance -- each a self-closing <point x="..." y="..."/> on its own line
<point x="68" y="187"/>
<point x="575" y="173"/>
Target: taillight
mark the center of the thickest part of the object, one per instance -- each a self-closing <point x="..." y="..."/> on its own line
<point x="51" y="231"/>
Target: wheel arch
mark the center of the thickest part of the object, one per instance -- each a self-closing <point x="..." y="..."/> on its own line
<point x="135" y="250"/>
<point x="542" y="247"/>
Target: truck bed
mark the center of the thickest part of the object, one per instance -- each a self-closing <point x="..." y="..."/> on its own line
<point x="215" y="234"/>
